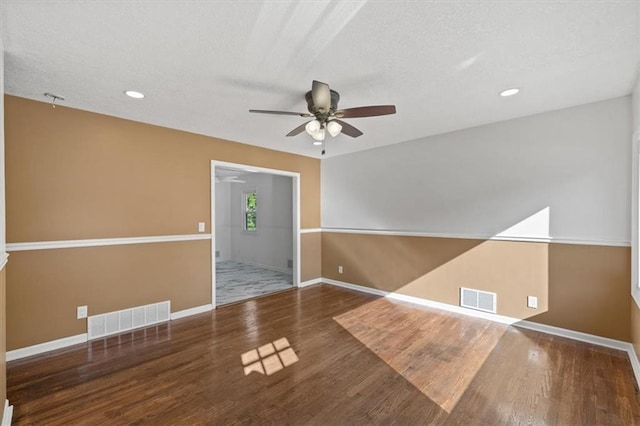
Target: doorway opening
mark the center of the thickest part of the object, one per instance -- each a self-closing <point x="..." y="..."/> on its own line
<point x="255" y="217"/>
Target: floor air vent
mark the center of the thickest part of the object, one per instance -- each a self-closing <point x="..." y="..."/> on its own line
<point x="476" y="299"/>
<point x="128" y="319"/>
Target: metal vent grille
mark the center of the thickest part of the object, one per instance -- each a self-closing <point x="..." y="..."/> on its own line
<point x="127" y="319"/>
<point x="476" y="299"/>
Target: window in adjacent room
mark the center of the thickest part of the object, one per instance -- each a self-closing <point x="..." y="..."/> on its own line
<point x="250" y="210"/>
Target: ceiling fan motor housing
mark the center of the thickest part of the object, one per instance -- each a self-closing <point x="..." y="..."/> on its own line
<point x="335" y="97"/>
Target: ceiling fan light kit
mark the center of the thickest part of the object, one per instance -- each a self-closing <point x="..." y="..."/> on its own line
<point x="322" y="103"/>
<point x="319" y="135"/>
<point x="312" y="127"/>
<point x="334" y="128"/>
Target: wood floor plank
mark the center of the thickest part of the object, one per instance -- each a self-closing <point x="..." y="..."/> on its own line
<point x="361" y="360"/>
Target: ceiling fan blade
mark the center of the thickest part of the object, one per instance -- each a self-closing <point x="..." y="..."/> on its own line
<point x="321" y="95"/>
<point x="297" y="130"/>
<point x="348" y="129"/>
<point x="229" y="179"/>
<point x="367" y="111"/>
<point x="264" y="111"/>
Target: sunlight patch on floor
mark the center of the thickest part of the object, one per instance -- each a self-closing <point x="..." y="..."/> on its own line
<point x="270" y="358"/>
<point x="439" y="353"/>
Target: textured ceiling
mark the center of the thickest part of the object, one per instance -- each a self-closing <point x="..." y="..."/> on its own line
<point x="204" y="64"/>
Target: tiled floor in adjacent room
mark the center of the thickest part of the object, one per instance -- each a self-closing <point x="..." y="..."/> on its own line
<point x="237" y="281"/>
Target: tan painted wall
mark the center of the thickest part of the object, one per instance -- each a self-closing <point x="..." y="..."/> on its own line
<point x="582" y="288"/>
<point x="635" y="327"/>
<point x="46" y="286"/>
<point x="589" y="290"/>
<point x="73" y="174"/>
<point x="311" y="256"/>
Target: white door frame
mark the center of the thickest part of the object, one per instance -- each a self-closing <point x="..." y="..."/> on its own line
<point x="635" y="217"/>
<point x="295" y="178"/>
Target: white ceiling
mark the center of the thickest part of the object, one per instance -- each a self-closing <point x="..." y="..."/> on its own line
<point x="204" y="64"/>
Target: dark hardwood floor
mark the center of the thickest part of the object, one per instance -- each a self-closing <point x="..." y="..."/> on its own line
<point x="360" y="360"/>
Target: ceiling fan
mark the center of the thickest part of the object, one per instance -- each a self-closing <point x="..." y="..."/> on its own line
<point x="228" y="179"/>
<point x="322" y="103"/>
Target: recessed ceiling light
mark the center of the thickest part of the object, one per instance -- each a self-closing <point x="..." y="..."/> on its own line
<point x="134" y="94"/>
<point x="509" y="92"/>
<point x="317" y="142"/>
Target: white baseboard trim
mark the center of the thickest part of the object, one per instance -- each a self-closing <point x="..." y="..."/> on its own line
<point x="588" y="338"/>
<point x="543" y="328"/>
<point x="355" y="287"/>
<point x="635" y="363"/>
<point x="46" y="347"/>
<point x="310" y="282"/>
<point x="424" y="302"/>
<point x="7" y="413"/>
<point x="574" y="335"/>
<point x="191" y="311"/>
<point x="82" y="338"/>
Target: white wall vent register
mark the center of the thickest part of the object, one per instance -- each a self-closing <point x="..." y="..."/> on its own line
<point x="479" y="300"/>
<point x="128" y="319"/>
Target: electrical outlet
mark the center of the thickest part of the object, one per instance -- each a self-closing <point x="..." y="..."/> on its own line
<point x="82" y="312"/>
<point x="340" y="269"/>
<point x="200" y="226"/>
<point x="532" y="302"/>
